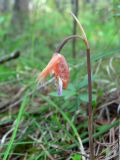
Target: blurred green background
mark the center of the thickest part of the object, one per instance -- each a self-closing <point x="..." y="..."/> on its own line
<point x="47" y="125"/>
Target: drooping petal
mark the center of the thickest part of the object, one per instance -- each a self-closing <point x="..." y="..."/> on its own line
<point x="59" y="67"/>
<point x="49" y="68"/>
<point x="60" y="86"/>
<point x="62" y="70"/>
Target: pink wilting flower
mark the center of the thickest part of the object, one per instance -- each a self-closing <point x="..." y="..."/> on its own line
<point x="59" y="67"/>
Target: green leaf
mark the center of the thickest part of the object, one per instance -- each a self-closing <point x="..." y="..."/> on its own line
<point x="84" y="98"/>
<point x="117" y="15"/>
<point x="71" y="91"/>
<point x="66" y="94"/>
<point x="84" y="83"/>
<point x="2" y="19"/>
<point x="76" y="157"/>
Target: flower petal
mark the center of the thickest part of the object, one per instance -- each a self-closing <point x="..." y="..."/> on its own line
<point x="60" y="86"/>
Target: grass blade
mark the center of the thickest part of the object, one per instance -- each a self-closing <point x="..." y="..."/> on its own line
<point x="10" y="145"/>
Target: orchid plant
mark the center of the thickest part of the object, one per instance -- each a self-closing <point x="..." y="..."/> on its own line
<point x="59" y="67"/>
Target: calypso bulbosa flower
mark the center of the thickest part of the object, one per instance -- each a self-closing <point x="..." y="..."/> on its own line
<point x="59" y="67"/>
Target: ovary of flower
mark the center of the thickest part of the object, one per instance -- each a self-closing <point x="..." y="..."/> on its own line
<point x="59" y="67"/>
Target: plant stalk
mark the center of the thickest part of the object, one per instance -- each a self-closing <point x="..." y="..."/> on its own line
<point x="59" y="48"/>
<point x="90" y="113"/>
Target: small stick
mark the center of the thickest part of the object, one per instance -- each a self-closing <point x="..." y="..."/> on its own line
<point x="14" y="55"/>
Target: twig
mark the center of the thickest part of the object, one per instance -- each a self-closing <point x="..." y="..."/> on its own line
<point x="18" y="99"/>
<point x="12" y="56"/>
<point x="5" y="106"/>
<point x="42" y="146"/>
<point x="3" y="139"/>
<point x="75" y="8"/>
<point x="47" y="153"/>
<point x="109" y="103"/>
